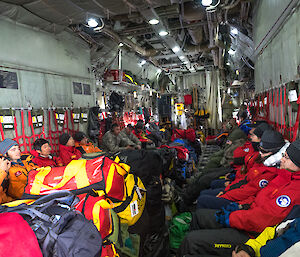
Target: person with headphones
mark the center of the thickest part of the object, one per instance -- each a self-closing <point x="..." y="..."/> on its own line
<point x="112" y="141"/>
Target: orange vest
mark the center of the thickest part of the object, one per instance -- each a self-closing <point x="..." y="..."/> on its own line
<point x="89" y="148"/>
<point x="4" y="198"/>
<point x="18" y="176"/>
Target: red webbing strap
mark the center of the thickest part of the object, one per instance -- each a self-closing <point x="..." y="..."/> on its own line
<point x="31" y="124"/>
<point x="50" y="130"/>
<point x="277" y="110"/>
<point x="268" y="105"/>
<point x="16" y="130"/>
<point x="284" y="110"/>
<point x="290" y="119"/>
<point x="32" y="130"/>
<point x="55" y="133"/>
<point x="23" y="132"/>
<point x="66" y="122"/>
<point x="73" y="124"/>
<point x="2" y="132"/>
<point x="281" y="110"/>
<point x="296" y="125"/>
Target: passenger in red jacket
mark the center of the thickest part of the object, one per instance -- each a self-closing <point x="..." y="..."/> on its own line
<point x="217" y="233"/>
<point x="42" y="154"/>
<point x="272" y="146"/>
<point x="67" y="150"/>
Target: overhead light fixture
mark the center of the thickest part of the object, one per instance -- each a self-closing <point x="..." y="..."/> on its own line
<point x="163" y="33"/>
<point x="228" y="63"/>
<point x="206" y="2"/>
<point x="92" y="23"/>
<point x="185" y="62"/>
<point x="121" y="44"/>
<point x="234" y="31"/>
<point x="181" y="57"/>
<point x="175" y="49"/>
<point x="142" y="62"/>
<point x="231" y="51"/>
<point x="154" y="21"/>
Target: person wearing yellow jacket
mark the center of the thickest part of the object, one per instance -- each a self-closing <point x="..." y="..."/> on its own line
<point x="281" y="240"/>
<point x="21" y="165"/>
<point x="4" y="167"/>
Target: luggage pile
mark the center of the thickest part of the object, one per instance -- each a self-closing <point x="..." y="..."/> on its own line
<point x="100" y="195"/>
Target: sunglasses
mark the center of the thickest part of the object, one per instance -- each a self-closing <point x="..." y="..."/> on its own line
<point x="261" y="150"/>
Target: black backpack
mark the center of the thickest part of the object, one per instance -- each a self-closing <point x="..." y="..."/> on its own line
<point x="60" y="230"/>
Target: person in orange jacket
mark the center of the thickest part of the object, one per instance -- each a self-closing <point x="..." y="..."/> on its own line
<point x="42" y="154"/>
<point x="83" y="144"/>
<point x="67" y="150"/>
<point x="21" y="165"/>
<point x="4" y="168"/>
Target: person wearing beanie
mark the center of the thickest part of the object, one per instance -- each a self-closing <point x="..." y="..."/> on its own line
<point x="83" y="144"/>
<point x="21" y="165"/>
<point x="256" y="134"/>
<point x="67" y="150"/>
<point x="4" y="179"/>
<point x="129" y="138"/>
<point x="257" y="177"/>
<point x="42" y="154"/>
<point x="232" y="225"/>
<point x="244" y="121"/>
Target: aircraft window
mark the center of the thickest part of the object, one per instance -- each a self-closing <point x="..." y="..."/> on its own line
<point x="77" y="88"/>
<point x="86" y="89"/>
<point x="8" y="80"/>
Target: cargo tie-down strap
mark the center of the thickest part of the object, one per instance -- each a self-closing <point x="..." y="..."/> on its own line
<point x="282" y="111"/>
<point x="36" y="120"/>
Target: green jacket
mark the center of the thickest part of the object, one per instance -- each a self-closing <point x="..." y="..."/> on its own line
<point x="111" y="142"/>
<point x="131" y="139"/>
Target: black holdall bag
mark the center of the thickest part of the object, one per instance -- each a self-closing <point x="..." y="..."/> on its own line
<point x="60" y="230"/>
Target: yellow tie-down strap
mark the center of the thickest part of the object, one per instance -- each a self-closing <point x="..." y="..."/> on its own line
<point x="75" y="168"/>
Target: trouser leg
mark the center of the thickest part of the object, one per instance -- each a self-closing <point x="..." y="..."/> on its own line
<point x="211" y="202"/>
<point x="200" y="183"/>
<point x="217" y="183"/>
<point x="211" y="242"/>
<point x="212" y="192"/>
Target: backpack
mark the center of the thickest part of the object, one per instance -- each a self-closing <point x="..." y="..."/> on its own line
<point x="179" y="226"/>
<point x="60" y="230"/>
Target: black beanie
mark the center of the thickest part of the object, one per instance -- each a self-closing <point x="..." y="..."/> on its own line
<point x="293" y="152"/>
<point x="79" y="136"/>
<point x="272" y="140"/>
<point x="261" y="129"/>
<point x="64" y="138"/>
